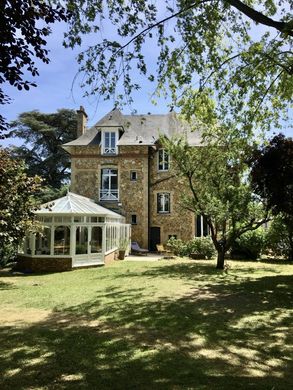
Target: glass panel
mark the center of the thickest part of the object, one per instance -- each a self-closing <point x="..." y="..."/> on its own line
<point x="43" y="242"/>
<point x="62" y="240"/>
<point x="81" y="240"/>
<point x="96" y="242"/>
<point x="78" y="219"/>
<point x="48" y="219"/>
<point x="109" y="184"/>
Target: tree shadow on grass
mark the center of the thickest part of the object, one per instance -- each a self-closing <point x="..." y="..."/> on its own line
<point x="217" y="337"/>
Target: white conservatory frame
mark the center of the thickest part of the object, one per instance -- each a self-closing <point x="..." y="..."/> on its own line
<point x="91" y="232"/>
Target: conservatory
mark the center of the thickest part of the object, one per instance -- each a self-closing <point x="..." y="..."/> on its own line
<point x="74" y="231"/>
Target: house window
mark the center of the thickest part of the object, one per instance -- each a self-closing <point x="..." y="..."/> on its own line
<point x="163" y="202"/>
<point x="109" y="184"/>
<point x="163" y="160"/>
<point x="110" y="142"/>
<point x="202" y="228"/>
<point x="133" y="219"/>
<point x="133" y="175"/>
<point x="172" y="236"/>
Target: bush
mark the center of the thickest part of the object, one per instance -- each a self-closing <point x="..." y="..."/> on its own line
<point x="277" y="239"/>
<point x="7" y="254"/>
<point x="249" y="246"/>
<point x="177" y="246"/>
<point x="201" y="246"/>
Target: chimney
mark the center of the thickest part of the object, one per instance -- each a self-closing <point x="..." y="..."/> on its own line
<point x="81" y="121"/>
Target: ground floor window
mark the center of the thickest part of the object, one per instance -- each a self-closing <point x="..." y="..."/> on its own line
<point x="81" y="237"/>
<point x="202" y="228"/>
<point x="43" y="242"/>
<point x="163" y="202"/>
<point x="96" y="241"/>
<point x="62" y="240"/>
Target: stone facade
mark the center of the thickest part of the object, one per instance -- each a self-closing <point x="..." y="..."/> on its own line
<point x="136" y="197"/>
<point x="43" y="264"/>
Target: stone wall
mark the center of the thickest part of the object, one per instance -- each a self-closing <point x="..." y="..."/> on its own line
<point x="43" y="264"/>
<point x="178" y="222"/>
<point x="135" y="197"/>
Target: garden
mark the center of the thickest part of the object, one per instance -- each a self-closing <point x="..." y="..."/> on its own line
<point x="173" y="324"/>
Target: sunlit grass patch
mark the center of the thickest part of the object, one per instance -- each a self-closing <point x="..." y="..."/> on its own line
<point x="161" y="325"/>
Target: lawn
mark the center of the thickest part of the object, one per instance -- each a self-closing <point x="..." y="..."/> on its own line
<point x="176" y="324"/>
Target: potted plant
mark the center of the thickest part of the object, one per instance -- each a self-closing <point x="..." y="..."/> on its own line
<point x="123" y="245"/>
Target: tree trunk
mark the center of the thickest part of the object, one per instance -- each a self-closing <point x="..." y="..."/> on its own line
<point x="221" y="258"/>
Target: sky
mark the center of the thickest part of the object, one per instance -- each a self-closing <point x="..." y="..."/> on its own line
<point x="55" y="88"/>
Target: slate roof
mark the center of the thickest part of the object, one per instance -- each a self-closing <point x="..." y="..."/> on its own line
<point x="137" y="129"/>
<point x="75" y="204"/>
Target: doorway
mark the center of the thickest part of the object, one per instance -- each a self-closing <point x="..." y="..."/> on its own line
<point x="155" y="238"/>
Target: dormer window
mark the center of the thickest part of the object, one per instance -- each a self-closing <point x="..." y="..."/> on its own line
<point x="109" y="142"/>
<point x="163" y="160"/>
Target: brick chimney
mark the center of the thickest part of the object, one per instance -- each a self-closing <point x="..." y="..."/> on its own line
<point x="81" y="121"/>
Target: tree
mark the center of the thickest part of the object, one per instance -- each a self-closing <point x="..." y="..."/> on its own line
<point x="16" y="202"/>
<point x="43" y="134"/>
<point x="272" y="179"/>
<point x="217" y="186"/>
<point x="238" y="51"/>
<point x="23" y="32"/>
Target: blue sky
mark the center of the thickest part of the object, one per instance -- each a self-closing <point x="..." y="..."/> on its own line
<point x="54" y="87"/>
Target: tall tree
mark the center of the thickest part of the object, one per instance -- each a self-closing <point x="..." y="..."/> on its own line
<point x="24" y="27"/>
<point x="217" y="186"/>
<point x="16" y="201"/>
<point x="239" y="51"/>
<point x="272" y="179"/>
<point x="43" y="134"/>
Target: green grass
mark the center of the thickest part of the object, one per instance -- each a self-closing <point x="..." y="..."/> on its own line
<point x="148" y="325"/>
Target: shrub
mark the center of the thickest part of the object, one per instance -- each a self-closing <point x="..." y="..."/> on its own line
<point x="277" y="239"/>
<point x="7" y="254"/>
<point x="201" y="246"/>
<point x="177" y="246"/>
<point x="249" y="245"/>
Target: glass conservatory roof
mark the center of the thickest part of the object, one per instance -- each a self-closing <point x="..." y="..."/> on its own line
<point x="75" y="204"/>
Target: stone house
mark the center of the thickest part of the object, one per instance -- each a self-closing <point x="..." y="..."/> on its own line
<point x="120" y="163"/>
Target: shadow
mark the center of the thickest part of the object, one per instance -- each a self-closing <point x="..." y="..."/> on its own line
<point x="226" y="334"/>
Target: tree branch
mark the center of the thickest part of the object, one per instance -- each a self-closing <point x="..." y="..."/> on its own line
<point x="258" y="17"/>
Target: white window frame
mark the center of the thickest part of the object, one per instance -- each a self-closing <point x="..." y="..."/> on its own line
<point x="111" y="149"/>
<point x="165" y="196"/>
<point x="163" y="160"/>
<point x="109" y="194"/>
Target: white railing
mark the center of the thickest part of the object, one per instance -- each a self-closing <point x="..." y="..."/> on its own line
<point x="110" y="150"/>
<point x="109" y="194"/>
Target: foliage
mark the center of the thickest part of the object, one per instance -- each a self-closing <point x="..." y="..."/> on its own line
<point x="240" y="50"/>
<point x="123" y="244"/>
<point x="249" y="245"/>
<point x="278" y="239"/>
<point x="216" y="185"/>
<point x="24" y="27"/>
<point x="272" y="179"/>
<point x="177" y="246"/>
<point x="43" y="134"/>
<point x="201" y="246"/>
<point x="16" y="202"/>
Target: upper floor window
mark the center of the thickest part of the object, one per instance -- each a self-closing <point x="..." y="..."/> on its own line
<point x="163" y="202"/>
<point x="109" y="142"/>
<point x="163" y="160"/>
<point x="109" y="184"/>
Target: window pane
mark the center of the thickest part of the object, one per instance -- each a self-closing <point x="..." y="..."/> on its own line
<point x="81" y="240"/>
<point x="62" y="240"/>
<point x="96" y="242"/>
<point x="43" y="242"/>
